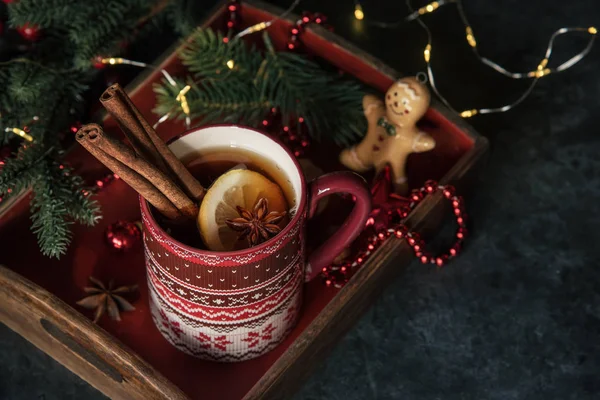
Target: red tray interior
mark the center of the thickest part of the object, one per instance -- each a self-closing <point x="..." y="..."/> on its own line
<point x="89" y="255"/>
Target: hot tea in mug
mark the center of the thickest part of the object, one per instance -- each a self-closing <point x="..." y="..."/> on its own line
<point x="238" y="304"/>
<point x="208" y="165"/>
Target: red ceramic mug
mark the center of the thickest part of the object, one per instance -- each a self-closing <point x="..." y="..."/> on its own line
<point x="234" y="306"/>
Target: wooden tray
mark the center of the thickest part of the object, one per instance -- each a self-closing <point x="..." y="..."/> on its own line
<point x="130" y="359"/>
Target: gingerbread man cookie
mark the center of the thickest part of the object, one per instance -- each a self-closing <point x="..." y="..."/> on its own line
<point x="392" y="133"/>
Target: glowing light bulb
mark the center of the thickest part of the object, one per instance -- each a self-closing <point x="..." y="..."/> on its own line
<point x="20" y="132"/>
<point x="230" y="64"/>
<point x="358" y="12"/>
<point x="427" y="53"/>
<point x="471" y="37"/>
<point x="468" y="113"/>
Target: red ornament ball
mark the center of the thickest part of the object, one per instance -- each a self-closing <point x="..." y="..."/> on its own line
<point x="30" y="32"/>
<point x="123" y="235"/>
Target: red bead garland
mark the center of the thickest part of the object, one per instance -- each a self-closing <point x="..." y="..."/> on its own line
<point x="307" y="18"/>
<point x="294" y="139"/>
<point x="233" y="19"/>
<point x="337" y="276"/>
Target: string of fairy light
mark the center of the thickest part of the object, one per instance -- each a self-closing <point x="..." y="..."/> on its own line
<point x="22" y="132"/>
<point x="542" y="70"/>
<point x="180" y="98"/>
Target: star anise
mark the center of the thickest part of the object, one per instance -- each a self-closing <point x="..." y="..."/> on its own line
<point x="102" y="298"/>
<point x="257" y="225"/>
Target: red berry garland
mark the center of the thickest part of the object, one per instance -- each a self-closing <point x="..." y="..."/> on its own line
<point x="337" y="276"/>
<point x="233" y="20"/>
<point x="296" y="141"/>
<point x="307" y="18"/>
<point x="294" y="41"/>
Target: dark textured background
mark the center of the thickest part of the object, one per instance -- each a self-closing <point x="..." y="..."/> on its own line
<point x="517" y="316"/>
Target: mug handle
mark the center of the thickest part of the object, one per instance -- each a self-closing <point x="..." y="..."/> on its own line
<point x="337" y="182"/>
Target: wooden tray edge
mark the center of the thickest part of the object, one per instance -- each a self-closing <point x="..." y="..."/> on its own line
<point x="68" y="337"/>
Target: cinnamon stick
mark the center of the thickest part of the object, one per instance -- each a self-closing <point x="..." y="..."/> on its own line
<point x="131" y="126"/>
<point x="147" y="142"/>
<point x="125" y="155"/>
<point x="131" y="177"/>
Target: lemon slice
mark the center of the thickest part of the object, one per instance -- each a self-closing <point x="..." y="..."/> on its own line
<point x="238" y="187"/>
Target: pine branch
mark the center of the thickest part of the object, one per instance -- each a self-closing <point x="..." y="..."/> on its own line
<point x="107" y="32"/>
<point x="49" y="82"/>
<point x="56" y="194"/>
<point x="92" y="27"/>
<point x="45" y="13"/>
<point x="301" y="87"/>
<point x="180" y="14"/>
<point x="20" y="170"/>
<point x="206" y="56"/>
<point x="212" y="101"/>
<point x="48" y="211"/>
<point x="259" y="81"/>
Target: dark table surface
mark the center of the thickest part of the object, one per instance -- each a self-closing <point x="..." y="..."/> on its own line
<point x="517" y="316"/>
